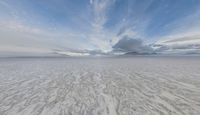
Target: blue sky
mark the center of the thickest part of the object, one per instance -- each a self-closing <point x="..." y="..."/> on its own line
<point x="45" y="25"/>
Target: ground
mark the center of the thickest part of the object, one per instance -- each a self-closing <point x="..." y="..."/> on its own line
<point x="100" y="86"/>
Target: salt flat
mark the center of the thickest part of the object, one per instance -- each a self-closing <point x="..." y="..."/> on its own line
<point x="100" y="86"/>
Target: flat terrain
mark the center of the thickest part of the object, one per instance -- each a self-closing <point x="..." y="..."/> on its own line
<point x="100" y="86"/>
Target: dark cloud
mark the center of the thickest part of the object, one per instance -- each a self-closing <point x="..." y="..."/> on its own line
<point x="160" y="48"/>
<point x="127" y="44"/>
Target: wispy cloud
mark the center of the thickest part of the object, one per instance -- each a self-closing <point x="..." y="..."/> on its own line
<point x="99" y="36"/>
<point x="98" y="25"/>
<point x="184" y="37"/>
<point x="18" y="37"/>
<point x="19" y="27"/>
<point x="100" y="8"/>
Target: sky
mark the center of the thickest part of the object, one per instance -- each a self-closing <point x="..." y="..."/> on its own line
<point x="84" y="27"/>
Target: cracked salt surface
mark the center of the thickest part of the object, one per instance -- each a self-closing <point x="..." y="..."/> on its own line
<point x="100" y="86"/>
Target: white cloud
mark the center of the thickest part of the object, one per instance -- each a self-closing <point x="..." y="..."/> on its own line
<point x="187" y="27"/>
<point x="91" y="1"/>
<point x="184" y="38"/>
<point x="98" y="36"/>
<point x="179" y="44"/>
<point x="100" y="8"/>
<point x="18" y="37"/>
<point x="19" y="27"/>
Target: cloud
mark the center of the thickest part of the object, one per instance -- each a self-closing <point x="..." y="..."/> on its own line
<point x="102" y="27"/>
<point x="19" y="27"/>
<point x="178" y="49"/>
<point x="76" y="52"/>
<point x="179" y="45"/>
<point x="127" y="44"/>
<point x="100" y="8"/>
<point x="99" y="37"/>
<point x="184" y="37"/>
